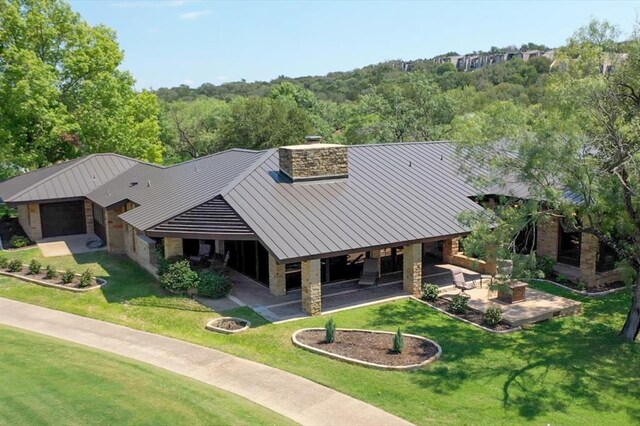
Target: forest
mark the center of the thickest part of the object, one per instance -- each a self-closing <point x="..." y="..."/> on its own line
<point x="65" y="95"/>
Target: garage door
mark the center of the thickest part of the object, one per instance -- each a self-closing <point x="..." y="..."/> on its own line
<point x="66" y="218"/>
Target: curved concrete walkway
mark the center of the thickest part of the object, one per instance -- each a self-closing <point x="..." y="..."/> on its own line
<point x="299" y="399"/>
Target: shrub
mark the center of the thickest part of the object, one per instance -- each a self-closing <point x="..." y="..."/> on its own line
<point x="561" y="279"/>
<point x="35" y="267"/>
<point x="14" y="265"/>
<point x="459" y="304"/>
<point x="430" y="292"/>
<point x="50" y="272"/>
<point x="18" y="241"/>
<point x="85" y="278"/>
<point x="546" y="264"/>
<point x="214" y="285"/>
<point x="179" y="276"/>
<point x="68" y="276"/>
<point x="163" y="264"/>
<point x="4" y="262"/>
<point x="493" y="315"/>
<point x="398" y="342"/>
<point x="330" y="331"/>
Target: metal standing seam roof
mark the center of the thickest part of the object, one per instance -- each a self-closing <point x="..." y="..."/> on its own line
<point x="176" y="189"/>
<point x="72" y="179"/>
<point x="395" y="193"/>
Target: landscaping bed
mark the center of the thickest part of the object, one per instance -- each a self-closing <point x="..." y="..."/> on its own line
<point x="370" y="348"/>
<point x="12" y="234"/>
<point x="228" y="325"/>
<point x="583" y="289"/>
<point x="65" y="280"/>
<point x="470" y="315"/>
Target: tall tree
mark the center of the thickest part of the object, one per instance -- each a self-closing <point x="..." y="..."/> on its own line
<point x="62" y="92"/>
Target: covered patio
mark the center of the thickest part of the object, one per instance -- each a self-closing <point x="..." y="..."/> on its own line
<point x="334" y="296"/>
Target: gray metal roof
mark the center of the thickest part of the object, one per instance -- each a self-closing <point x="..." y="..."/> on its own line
<point x="174" y="190"/>
<point x="212" y="218"/>
<point x="395" y="193"/>
<point x="72" y="179"/>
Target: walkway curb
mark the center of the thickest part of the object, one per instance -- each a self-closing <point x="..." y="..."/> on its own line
<point x="297" y="398"/>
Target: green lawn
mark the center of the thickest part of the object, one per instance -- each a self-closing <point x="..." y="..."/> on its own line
<point x="565" y="371"/>
<point x="49" y="381"/>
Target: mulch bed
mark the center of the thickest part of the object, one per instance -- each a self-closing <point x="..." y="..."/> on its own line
<point x="471" y="315"/>
<point x="41" y="277"/>
<point x="229" y="324"/>
<point x="9" y="228"/>
<point x="371" y="347"/>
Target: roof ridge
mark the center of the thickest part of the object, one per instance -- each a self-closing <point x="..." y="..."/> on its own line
<point x="264" y="157"/>
<point x="364" y="145"/>
<point x="74" y="162"/>
<point x="213" y="155"/>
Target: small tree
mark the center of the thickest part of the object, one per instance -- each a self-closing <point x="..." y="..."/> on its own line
<point x="398" y="342"/>
<point x="330" y="331"/>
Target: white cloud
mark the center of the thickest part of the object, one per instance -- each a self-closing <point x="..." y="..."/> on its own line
<point x="187" y="82"/>
<point x="196" y="14"/>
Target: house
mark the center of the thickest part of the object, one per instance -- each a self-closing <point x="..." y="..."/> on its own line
<point x="297" y="216"/>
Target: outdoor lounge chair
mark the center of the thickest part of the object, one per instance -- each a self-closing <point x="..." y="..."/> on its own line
<point x="370" y="273"/>
<point x="204" y="253"/>
<point x="459" y="281"/>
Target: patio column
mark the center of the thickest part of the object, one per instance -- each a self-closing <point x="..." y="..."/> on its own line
<point x="277" y="277"/>
<point x="449" y="249"/>
<point x="377" y="255"/>
<point x="311" y="289"/>
<point x="114" y="230"/>
<point x="172" y="247"/>
<point x="588" y="258"/>
<point x="412" y="269"/>
<point x="548" y="233"/>
<point x="219" y="247"/>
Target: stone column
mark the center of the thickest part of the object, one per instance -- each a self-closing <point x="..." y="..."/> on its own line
<point x="449" y="249"/>
<point x="311" y="289"/>
<point x="277" y="277"/>
<point x="412" y="269"/>
<point x="548" y="234"/>
<point x="88" y="216"/>
<point x="29" y="218"/>
<point x="172" y="247"/>
<point x="588" y="259"/>
<point x="219" y="247"/>
<point x="376" y="254"/>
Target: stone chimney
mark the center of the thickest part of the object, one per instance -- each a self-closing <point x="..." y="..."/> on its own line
<point x="314" y="160"/>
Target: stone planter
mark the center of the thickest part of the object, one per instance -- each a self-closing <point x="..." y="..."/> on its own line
<point x="517" y="293"/>
<point x="228" y="325"/>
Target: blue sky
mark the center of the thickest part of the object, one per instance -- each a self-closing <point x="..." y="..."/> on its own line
<point x="168" y="43"/>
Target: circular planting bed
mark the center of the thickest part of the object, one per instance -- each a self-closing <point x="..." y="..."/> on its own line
<point x="370" y="348"/>
<point x="228" y="325"/>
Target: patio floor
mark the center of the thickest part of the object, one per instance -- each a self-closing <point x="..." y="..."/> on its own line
<point x="70" y="244"/>
<point x="537" y="306"/>
<point x="340" y="295"/>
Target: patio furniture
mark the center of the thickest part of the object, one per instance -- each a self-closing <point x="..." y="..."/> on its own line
<point x="204" y="252"/>
<point x="370" y="273"/>
<point x="460" y="282"/>
<point x="221" y="267"/>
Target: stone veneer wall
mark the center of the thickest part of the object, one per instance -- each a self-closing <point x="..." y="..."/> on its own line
<point x="88" y="216"/>
<point x="311" y="287"/>
<point x="548" y="234"/>
<point x="277" y="277"/>
<point x="173" y="247"/>
<point x="114" y="228"/>
<point x="314" y="161"/>
<point x="141" y="249"/>
<point x="29" y="219"/>
<point x="412" y="269"/>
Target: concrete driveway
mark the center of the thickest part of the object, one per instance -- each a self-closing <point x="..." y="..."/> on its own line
<point x="70" y="244"/>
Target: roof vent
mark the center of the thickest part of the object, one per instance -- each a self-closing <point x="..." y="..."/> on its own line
<point x="314" y="161"/>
